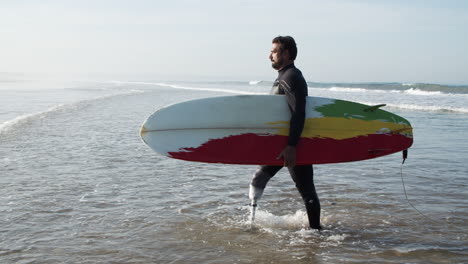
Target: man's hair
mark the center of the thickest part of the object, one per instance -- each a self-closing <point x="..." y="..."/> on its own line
<point x="287" y="43"/>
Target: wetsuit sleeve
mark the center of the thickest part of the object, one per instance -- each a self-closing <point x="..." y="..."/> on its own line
<point x="295" y="89"/>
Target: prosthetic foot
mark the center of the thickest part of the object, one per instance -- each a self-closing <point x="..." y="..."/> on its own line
<point x="255" y="194"/>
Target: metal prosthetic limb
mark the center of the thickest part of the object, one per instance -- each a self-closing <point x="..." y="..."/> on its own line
<point x="254" y="195"/>
<point x="258" y="184"/>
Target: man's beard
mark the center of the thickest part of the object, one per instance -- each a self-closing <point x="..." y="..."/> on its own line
<point x="276" y="65"/>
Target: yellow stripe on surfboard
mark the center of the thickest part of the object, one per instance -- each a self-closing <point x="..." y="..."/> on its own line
<point x="343" y="128"/>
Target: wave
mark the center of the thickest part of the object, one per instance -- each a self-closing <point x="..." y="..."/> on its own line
<point x="408" y="90"/>
<point x="416" y="91"/>
<point x="255" y="82"/>
<point x="411" y="91"/>
<point x="176" y="86"/>
<point x="243" y="87"/>
<point x="347" y="89"/>
<point x="397" y="89"/>
<point x="443" y="89"/>
<point x="424" y="108"/>
<point x="415" y="88"/>
<point x="25" y="119"/>
<point x="430" y="108"/>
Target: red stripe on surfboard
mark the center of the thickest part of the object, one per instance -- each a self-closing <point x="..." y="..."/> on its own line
<point x="264" y="148"/>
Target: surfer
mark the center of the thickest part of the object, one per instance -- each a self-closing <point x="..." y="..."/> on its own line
<point x="292" y="84"/>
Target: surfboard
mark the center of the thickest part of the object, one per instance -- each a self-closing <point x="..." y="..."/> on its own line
<point x="254" y="129"/>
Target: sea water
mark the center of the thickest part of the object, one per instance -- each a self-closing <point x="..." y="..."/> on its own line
<point x="79" y="186"/>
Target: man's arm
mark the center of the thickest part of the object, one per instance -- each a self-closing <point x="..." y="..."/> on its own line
<point x="296" y="93"/>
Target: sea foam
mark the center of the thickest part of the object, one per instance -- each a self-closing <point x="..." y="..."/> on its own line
<point x="176" y="86"/>
<point x="25" y="119"/>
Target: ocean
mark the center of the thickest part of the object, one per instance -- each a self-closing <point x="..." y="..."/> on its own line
<point x="79" y="186"/>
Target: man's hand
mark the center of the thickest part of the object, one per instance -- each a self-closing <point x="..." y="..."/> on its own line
<point x="289" y="156"/>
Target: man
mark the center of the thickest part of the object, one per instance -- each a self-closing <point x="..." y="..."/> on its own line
<point x="292" y="84"/>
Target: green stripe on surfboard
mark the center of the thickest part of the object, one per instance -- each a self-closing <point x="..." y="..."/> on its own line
<point x="357" y="111"/>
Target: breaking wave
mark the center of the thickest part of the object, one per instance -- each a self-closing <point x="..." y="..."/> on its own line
<point x="31" y="117"/>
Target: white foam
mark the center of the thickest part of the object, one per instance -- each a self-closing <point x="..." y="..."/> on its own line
<point x="419" y="107"/>
<point x="361" y="90"/>
<point x="176" y="86"/>
<point x="26" y="118"/>
<point x="270" y="221"/>
<point x="346" y="89"/>
<point x="254" y="82"/>
<point x="428" y="108"/>
<point x="410" y="91"/>
<point x="421" y="92"/>
<point x="410" y="106"/>
<point x="337" y="237"/>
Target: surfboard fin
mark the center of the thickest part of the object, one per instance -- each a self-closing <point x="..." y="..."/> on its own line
<point x="373" y="108"/>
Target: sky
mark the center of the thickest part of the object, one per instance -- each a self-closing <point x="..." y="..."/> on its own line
<point x="338" y="40"/>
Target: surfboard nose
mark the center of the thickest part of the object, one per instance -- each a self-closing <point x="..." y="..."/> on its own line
<point x="143" y="131"/>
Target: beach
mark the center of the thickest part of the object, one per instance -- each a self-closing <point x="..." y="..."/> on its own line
<point x="80" y="186"/>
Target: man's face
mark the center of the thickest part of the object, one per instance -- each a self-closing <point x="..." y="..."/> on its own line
<point x="277" y="57"/>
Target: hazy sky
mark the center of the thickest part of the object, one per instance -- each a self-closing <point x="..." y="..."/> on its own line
<point x="338" y="40"/>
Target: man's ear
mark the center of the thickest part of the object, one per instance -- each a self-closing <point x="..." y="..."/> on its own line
<point x="286" y="54"/>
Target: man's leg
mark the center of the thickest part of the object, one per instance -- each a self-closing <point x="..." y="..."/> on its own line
<point x="303" y="176"/>
<point x="260" y="180"/>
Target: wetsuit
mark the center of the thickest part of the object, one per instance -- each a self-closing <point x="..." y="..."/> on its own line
<point x="292" y="84"/>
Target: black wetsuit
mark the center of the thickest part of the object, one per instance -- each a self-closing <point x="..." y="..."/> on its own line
<point x="292" y="84"/>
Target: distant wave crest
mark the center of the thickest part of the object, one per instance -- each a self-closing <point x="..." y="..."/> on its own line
<point x="25" y="119"/>
<point x="425" y="108"/>
<point x="430" y="108"/>
<point x="412" y="91"/>
<point x="255" y="82"/>
<point x="416" y="91"/>
<point x="177" y="86"/>
<point x="410" y="88"/>
<point x="347" y="89"/>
